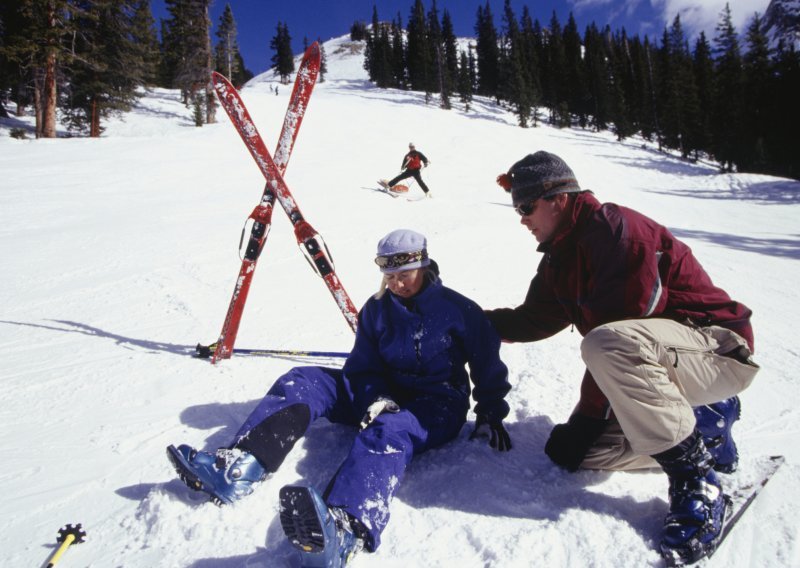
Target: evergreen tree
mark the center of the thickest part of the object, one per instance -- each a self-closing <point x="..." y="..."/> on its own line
<point x="369" y="49"/>
<point x="145" y="41"/>
<point x="107" y="67"/>
<point x="628" y="72"/>
<point x="620" y="86"/>
<point x="173" y="49"/>
<point x="186" y="52"/>
<point x="398" y="54"/>
<point x="464" y="81"/>
<point x="227" y="47"/>
<point x="37" y="47"/>
<point x="597" y="73"/>
<point x="728" y="101"/>
<point x="487" y="52"/>
<point x="650" y="120"/>
<point x="758" y="94"/>
<point x="418" y="53"/>
<point x="516" y="73"/>
<point x="530" y="55"/>
<point x="703" y="72"/>
<point x="557" y="86"/>
<point x="283" y="59"/>
<point x="785" y="115"/>
<point x="680" y="105"/>
<point x="378" y="55"/>
<point x="14" y="73"/>
<point x="358" y="31"/>
<point x="450" y="48"/>
<point x="440" y="80"/>
<point x="244" y="74"/>
<point x="576" y="91"/>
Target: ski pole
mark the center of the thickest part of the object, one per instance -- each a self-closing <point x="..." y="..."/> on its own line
<point x="206" y="351"/>
<point x="291" y="353"/>
<point x="67" y="536"/>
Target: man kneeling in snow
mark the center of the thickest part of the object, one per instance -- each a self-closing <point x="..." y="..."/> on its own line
<point x="666" y="351"/>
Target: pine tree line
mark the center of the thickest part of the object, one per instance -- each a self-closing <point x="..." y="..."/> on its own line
<point x="90" y="58"/>
<point x="713" y="99"/>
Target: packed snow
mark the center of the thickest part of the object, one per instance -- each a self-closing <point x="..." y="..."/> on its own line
<point x="120" y="253"/>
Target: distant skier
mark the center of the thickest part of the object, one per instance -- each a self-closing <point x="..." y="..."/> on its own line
<point x="413" y="162"/>
<point x="666" y="351"/>
<point x="404" y="386"/>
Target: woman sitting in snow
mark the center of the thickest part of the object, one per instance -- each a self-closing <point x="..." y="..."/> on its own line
<point x="404" y="386"/>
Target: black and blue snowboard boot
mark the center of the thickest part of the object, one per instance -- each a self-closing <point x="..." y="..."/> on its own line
<point x="227" y="475"/>
<point x="697" y="505"/>
<point x="715" y="422"/>
<point x="325" y="536"/>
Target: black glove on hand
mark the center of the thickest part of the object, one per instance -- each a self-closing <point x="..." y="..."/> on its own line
<point x="494" y="431"/>
<point x="569" y="443"/>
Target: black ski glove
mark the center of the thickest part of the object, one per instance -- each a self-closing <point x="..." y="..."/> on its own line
<point x="494" y="431"/>
<point x="569" y="443"/>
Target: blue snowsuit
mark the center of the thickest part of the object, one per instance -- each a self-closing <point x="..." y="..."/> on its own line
<point x="412" y="351"/>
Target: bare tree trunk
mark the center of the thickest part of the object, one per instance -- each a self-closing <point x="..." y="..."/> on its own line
<point x="21" y="103"/>
<point x="94" y="128"/>
<point x="49" y="94"/>
<point x="38" y="103"/>
<point x="49" y="97"/>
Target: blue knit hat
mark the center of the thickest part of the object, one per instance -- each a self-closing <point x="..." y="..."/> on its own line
<point x="402" y="249"/>
<point x="540" y="175"/>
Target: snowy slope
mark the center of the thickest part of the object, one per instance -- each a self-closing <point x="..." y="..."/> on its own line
<point x="119" y="254"/>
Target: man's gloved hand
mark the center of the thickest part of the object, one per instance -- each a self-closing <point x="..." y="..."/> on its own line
<point x="494" y="431"/>
<point x="569" y="443"/>
<point x="377" y="408"/>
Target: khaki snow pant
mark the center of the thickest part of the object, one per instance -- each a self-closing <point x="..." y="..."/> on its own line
<point x="653" y="371"/>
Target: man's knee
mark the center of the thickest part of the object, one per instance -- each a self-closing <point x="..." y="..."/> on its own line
<point x="605" y="339"/>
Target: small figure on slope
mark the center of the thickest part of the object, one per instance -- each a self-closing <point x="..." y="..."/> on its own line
<point x="404" y="387"/>
<point x="666" y="351"/>
<point x="413" y="162"/>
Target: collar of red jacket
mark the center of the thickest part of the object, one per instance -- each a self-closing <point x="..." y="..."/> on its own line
<point x="584" y="205"/>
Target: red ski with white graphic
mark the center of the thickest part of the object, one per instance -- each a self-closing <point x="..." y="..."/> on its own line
<point x="262" y="214"/>
<point x="311" y="243"/>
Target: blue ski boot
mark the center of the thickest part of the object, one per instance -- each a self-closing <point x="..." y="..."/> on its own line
<point x="715" y="422"/>
<point x="697" y="505"/>
<point x="325" y="536"/>
<point x="227" y="475"/>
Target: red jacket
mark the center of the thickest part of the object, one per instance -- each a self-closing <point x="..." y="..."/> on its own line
<point x="414" y="160"/>
<point x="609" y="264"/>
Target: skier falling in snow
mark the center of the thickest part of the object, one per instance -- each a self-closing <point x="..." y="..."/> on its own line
<point x="666" y="351"/>
<point x="413" y="162"/>
<point x="404" y="386"/>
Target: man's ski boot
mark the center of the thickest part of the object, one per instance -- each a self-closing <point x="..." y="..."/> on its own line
<point x="715" y="422"/>
<point x="227" y="475"/>
<point x="697" y="506"/>
<point x="325" y="536"/>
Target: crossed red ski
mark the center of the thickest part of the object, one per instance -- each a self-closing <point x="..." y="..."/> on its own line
<point x="309" y="240"/>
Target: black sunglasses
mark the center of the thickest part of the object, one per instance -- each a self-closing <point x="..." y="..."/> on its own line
<point x="525" y="208"/>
